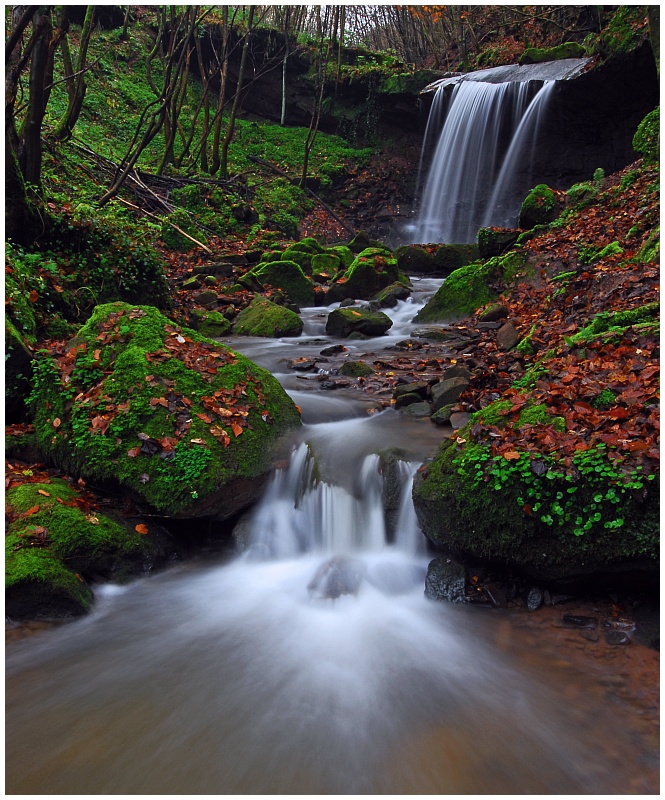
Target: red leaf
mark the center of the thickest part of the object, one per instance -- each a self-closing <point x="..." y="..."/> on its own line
<point x="143" y="529"/>
<point x="31" y="511"/>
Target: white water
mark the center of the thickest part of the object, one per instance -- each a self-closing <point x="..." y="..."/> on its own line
<point x="477" y="175"/>
<point x="230" y="678"/>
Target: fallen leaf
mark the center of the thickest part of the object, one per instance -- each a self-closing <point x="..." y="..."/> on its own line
<point x="41" y="491"/>
<point x="143" y="529"/>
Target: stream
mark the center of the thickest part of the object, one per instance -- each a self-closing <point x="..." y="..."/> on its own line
<point x="238" y="676"/>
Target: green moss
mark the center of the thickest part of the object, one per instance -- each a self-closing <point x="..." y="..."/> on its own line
<point x="372" y="270"/>
<point x="584" y="192"/>
<point x="539" y="207"/>
<point x="539" y="415"/>
<point x="650" y="250"/>
<point x="289" y="277"/>
<point x="356" y="369"/>
<point x="345" y="255"/>
<point x="264" y="318"/>
<point x="647" y="137"/>
<point x="136" y="366"/>
<point x="615" y="322"/>
<point x="210" y="323"/>
<point x="303" y="258"/>
<point x="537" y="55"/>
<point x="326" y="264"/>
<point x="541" y="521"/>
<point x="524" y="346"/>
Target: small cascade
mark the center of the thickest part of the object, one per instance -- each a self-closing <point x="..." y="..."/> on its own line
<point x="487" y="128"/>
<point x="304" y="514"/>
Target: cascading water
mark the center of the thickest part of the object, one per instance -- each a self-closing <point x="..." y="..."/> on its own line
<point x="486" y="130"/>
<point x="237" y="678"/>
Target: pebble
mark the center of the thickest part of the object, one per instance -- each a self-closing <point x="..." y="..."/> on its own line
<point x="617" y="637"/>
<point x="575" y="621"/>
<point x="534" y="599"/>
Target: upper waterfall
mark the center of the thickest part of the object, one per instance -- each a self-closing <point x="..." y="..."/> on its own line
<point x="480" y="142"/>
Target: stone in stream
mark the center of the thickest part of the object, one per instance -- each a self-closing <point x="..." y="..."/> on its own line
<point x="445" y="580"/>
<point x="337" y="576"/>
<point x="534" y="599"/>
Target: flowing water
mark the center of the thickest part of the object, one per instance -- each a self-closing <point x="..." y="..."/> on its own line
<point x="479" y="172"/>
<point x="241" y="677"/>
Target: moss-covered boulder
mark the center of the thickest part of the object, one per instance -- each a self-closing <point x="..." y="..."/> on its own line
<point x="413" y="259"/>
<point x="473" y="286"/>
<point x="540" y="207"/>
<point x="372" y="270"/>
<point x="18" y="371"/>
<point x="356" y="369"/>
<point x="210" y="323"/>
<point x="344" y="253"/>
<point x="538" y="55"/>
<point x="326" y="264"/>
<point x="180" y="422"/>
<point x="56" y="542"/>
<point x="534" y="516"/>
<point x="345" y="321"/>
<point x="391" y="295"/>
<point x="303" y="258"/>
<point x="287" y="276"/>
<point x="264" y="318"/>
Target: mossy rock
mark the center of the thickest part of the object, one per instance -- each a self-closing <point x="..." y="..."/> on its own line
<point x="326" y="264"/>
<point x="287" y="276"/>
<point x="449" y="257"/>
<point x="183" y="424"/>
<point x="344" y="253"/>
<point x="344" y="322"/>
<point x="540" y="207"/>
<point x="473" y="521"/>
<point x="414" y="259"/>
<point x="18" y="372"/>
<point x="647" y="137"/>
<point x="210" y="323"/>
<point x="51" y="553"/>
<point x="303" y="258"/>
<point x="308" y="245"/>
<point x="265" y="318"/>
<point x="356" y="369"/>
<point x="538" y="55"/>
<point x="495" y="241"/>
<point x="391" y="295"/>
<point x="473" y="286"/>
<point x="371" y="271"/>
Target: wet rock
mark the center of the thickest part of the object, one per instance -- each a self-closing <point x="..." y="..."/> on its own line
<point x="534" y="599"/>
<point x="409" y="344"/>
<point x="448" y="391"/>
<point x="445" y="581"/>
<point x="456" y="371"/>
<point x="347" y="302"/>
<point x="442" y="416"/>
<point x="302" y="364"/>
<point x="494" y="313"/>
<point x="207" y="298"/>
<point x="344" y="321"/>
<point x="418" y="410"/>
<point x="194" y="282"/>
<point x="356" y="369"/>
<point x="577" y="621"/>
<point x="407" y="399"/>
<point x="495" y="241"/>
<point x="507" y="336"/>
<point x="338" y="576"/>
<point x="420" y="388"/>
<point x="458" y="419"/>
<point x="333" y="350"/>
<point x="617" y="637"/>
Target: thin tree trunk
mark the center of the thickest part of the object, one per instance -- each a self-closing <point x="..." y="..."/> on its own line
<point x="77" y="88"/>
<point x="287" y="14"/>
<point x="224" y="152"/>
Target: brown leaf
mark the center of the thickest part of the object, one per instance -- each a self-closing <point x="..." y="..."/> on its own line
<point x="43" y="492"/>
<point x="205" y="418"/>
<point x="133" y="452"/>
<point x="511" y="455"/>
<point x="143" y="529"/>
<point x="57" y="422"/>
<point x="31" y="511"/>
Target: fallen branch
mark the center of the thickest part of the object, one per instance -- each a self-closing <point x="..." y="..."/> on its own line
<point x="167" y="221"/>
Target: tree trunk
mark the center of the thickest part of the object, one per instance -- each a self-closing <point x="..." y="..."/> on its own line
<point x="224" y="153"/>
<point x="78" y="87"/>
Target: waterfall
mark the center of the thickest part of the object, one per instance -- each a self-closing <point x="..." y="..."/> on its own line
<point x="485" y="132"/>
<point x="301" y="513"/>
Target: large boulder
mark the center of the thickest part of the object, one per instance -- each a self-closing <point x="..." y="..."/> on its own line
<point x="342" y="322"/>
<point x="184" y="425"/>
<point x="583" y="526"/>
<point x="540" y="207"/>
<point x="264" y="318"/>
<point x="372" y="270"/>
<point x="289" y="277"/>
<point x="18" y="371"/>
<point x="338" y="576"/>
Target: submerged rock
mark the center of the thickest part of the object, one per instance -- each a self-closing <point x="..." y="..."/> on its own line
<point x="342" y="322"/>
<point x="338" y="576"/>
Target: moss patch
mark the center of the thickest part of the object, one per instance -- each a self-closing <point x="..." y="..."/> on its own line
<point x="289" y="277"/>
